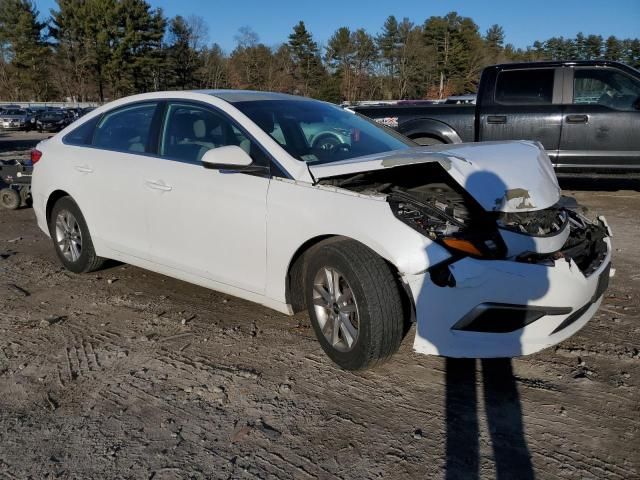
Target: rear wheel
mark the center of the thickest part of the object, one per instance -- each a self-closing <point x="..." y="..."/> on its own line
<point x="71" y="238"/>
<point x="354" y="303"/>
<point x="426" y="141"/>
<point x="10" y="198"/>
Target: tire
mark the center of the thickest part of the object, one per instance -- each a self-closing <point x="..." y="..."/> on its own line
<point x="25" y="195"/>
<point x="426" y="141"/>
<point x="66" y="223"/>
<point x="374" y="307"/>
<point x="10" y="199"/>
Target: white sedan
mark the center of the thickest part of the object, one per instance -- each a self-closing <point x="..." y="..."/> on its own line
<point x="232" y="190"/>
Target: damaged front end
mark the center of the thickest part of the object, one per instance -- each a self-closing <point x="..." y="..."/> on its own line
<point x="443" y="211"/>
<point x="526" y="268"/>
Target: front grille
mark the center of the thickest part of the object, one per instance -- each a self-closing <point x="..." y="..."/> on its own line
<point x="585" y="246"/>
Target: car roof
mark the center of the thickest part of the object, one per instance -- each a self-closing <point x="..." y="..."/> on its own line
<point x="233" y="96"/>
<point x="562" y="63"/>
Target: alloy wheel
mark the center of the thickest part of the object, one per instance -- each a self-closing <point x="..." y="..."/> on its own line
<point x="336" y="309"/>
<point x="68" y="236"/>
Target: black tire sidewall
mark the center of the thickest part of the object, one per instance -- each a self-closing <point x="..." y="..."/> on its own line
<point x="360" y="354"/>
<point x="87" y="254"/>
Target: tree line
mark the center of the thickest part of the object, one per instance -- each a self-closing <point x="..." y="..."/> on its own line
<point x="98" y="50"/>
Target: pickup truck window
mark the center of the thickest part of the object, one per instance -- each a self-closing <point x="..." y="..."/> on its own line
<point x="525" y="87"/>
<point x="605" y="87"/>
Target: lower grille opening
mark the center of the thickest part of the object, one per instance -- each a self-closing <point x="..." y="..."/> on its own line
<point x="504" y="318"/>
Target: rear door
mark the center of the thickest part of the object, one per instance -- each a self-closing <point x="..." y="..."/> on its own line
<point x="601" y="122"/>
<point x="109" y="178"/>
<point x="526" y="105"/>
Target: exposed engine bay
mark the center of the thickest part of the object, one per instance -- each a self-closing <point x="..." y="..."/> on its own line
<point x="444" y="212"/>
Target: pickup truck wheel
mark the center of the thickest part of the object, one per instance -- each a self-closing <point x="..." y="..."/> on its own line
<point x="426" y="141"/>
<point x="10" y="198"/>
<point x="354" y="304"/>
<point x="71" y="238"/>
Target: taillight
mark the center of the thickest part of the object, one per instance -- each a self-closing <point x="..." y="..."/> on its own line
<point x="36" y="155"/>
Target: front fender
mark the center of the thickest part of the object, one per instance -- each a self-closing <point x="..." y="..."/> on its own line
<point x="299" y="213"/>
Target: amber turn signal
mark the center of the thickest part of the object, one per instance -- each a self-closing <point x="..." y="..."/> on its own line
<point x="462" y="246"/>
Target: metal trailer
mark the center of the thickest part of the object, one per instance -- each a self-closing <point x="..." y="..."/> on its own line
<point x="16" y="177"/>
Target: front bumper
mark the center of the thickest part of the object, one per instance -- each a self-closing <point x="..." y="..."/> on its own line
<point x="566" y="297"/>
<point x="14" y="126"/>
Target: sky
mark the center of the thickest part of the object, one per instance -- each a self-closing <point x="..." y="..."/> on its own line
<point x="524" y="21"/>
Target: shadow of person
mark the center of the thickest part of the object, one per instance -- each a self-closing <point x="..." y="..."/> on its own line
<point x="477" y="286"/>
<point x="504" y="420"/>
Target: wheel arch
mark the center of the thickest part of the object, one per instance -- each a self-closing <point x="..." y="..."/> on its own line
<point x="294" y="281"/>
<point x="429" y="127"/>
<point x="51" y="201"/>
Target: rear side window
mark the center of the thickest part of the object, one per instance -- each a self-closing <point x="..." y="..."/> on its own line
<point x="126" y="129"/>
<point x="525" y="87"/>
<point x="83" y="134"/>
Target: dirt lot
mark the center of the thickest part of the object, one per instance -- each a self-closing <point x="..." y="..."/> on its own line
<point x="127" y="374"/>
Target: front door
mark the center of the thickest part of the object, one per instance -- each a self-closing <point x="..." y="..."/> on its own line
<point x="208" y="223"/>
<point x="601" y="122"/>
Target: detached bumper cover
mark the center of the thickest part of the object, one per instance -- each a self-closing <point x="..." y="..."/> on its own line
<point x="548" y="302"/>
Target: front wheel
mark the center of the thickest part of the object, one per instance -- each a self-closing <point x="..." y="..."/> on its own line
<point x="354" y="303"/>
<point x="71" y="237"/>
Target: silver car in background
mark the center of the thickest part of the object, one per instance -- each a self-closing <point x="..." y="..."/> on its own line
<point x="14" y="119"/>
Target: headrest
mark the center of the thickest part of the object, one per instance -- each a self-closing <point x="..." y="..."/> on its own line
<point x="199" y="128"/>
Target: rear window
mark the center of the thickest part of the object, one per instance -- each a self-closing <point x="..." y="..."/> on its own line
<point x="525" y="87"/>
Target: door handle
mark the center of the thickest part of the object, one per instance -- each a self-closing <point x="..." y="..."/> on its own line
<point x="577" y="118"/>
<point x="84" y="168"/>
<point x="496" y="119"/>
<point x="158" y="185"/>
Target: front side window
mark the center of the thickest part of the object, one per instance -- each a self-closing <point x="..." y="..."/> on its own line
<point x="126" y="129"/>
<point x="525" y="87"/>
<point x="317" y="132"/>
<point x="605" y="87"/>
<point x="191" y="130"/>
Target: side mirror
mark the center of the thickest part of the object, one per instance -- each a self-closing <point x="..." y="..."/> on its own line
<point x="230" y="157"/>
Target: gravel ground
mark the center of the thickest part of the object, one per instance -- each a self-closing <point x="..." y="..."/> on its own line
<point x="124" y="373"/>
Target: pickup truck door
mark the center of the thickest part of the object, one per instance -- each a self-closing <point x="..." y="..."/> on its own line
<point x="525" y="105"/>
<point x="601" y="121"/>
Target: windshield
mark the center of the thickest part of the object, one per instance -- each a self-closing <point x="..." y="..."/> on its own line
<point x="318" y="132"/>
<point x="14" y="112"/>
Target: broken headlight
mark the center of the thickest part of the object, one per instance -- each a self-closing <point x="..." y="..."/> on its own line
<point x="440" y="213"/>
<point x="537" y="223"/>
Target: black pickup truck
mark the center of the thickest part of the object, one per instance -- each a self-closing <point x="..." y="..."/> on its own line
<point x="585" y="114"/>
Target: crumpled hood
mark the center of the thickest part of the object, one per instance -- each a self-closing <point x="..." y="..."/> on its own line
<point x="513" y="176"/>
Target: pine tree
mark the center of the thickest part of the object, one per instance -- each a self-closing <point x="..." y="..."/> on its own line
<point x="183" y="60"/>
<point x="308" y="69"/>
<point x="25" y="53"/>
